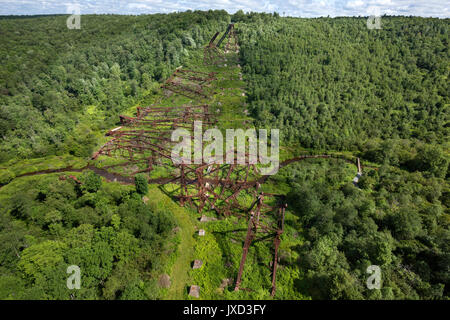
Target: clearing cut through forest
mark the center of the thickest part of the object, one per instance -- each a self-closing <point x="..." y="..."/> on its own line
<point x="216" y="73"/>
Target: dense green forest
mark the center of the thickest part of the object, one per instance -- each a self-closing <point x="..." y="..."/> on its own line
<point x="399" y="225"/>
<point x="328" y="84"/>
<point x="331" y="83"/>
<point x="50" y="75"/>
<point x="106" y="229"/>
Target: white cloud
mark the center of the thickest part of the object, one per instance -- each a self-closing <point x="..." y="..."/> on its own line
<point x="355" y="3"/>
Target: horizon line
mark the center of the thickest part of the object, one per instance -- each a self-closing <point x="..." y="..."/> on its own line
<point x="248" y="12"/>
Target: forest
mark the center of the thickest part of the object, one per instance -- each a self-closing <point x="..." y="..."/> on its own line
<point x="328" y="84"/>
<point x="120" y="240"/>
<point x="333" y="84"/>
<point x="53" y="79"/>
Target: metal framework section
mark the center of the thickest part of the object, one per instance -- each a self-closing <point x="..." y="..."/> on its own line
<point x="268" y="220"/>
<point x="218" y="187"/>
<point x="232" y="42"/>
<point x="213" y="54"/>
<point x="189" y="83"/>
<point x="145" y="140"/>
<point x="198" y="76"/>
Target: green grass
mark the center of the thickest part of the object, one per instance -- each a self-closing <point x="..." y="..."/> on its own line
<point x="179" y="268"/>
<point x="17" y="186"/>
<point x="15" y="168"/>
<point x="221" y="248"/>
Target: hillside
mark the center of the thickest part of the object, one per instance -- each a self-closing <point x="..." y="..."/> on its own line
<point x="331" y="86"/>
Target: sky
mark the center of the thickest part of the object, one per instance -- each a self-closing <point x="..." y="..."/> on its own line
<point x="294" y="8"/>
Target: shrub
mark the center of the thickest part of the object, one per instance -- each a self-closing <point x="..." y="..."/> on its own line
<point x="91" y="181"/>
<point x="140" y="180"/>
<point x="6" y="176"/>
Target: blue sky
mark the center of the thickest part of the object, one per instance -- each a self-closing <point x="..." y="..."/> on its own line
<point x="301" y="8"/>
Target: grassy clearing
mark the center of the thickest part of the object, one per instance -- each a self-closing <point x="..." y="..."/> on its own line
<point x="221" y="250"/>
<point x="15" y="168"/>
<point x="179" y="265"/>
<point x="18" y="186"/>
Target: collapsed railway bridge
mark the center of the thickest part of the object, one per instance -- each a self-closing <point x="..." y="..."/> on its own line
<point x="213" y="53"/>
<point x="144" y="141"/>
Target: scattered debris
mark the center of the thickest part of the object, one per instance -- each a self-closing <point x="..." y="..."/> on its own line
<point x="176" y="229"/>
<point x="201" y="232"/>
<point x="225" y="283"/>
<point x="164" y="281"/>
<point x="207" y="219"/>
<point x="197" y="264"/>
<point x="71" y="178"/>
<point x="194" y="291"/>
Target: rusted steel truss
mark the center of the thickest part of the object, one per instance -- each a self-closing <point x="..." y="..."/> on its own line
<point x="268" y="220"/>
<point x="216" y="186"/>
<point x="198" y="76"/>
<point x="213" y="54"/>
<point x="232" y="42"/>
<point x="189" y="83"/>
<point x="146" y="138"/>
